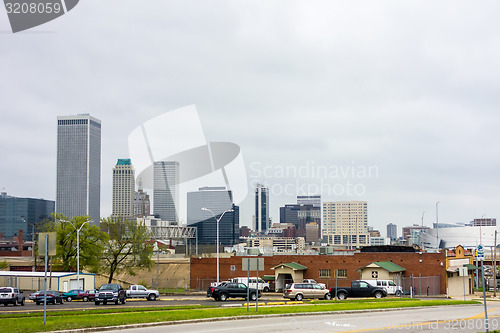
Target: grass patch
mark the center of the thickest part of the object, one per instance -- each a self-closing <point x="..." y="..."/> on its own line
<point x="61" y="320"/>
<point x="166" y="291"/>
<point x="103" y="310"/>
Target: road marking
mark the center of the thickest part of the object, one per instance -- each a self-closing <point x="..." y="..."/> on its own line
<point x="421" y="324"/>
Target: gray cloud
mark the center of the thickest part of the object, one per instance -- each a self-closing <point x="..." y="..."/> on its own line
<point x="410" y="87"/>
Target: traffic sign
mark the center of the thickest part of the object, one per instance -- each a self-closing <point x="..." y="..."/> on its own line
<point x="480" y="253"/>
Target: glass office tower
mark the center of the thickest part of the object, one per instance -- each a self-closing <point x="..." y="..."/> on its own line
<point x="79" y="166"/>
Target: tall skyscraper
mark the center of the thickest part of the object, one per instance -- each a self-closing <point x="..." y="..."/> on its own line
<point x="392" y="231"/>
<point x="166" y="190"/>
<point x="123" y="189"/>
<point x="22" y="214"/>
<point x="79" y="166"/>
<point x="218" y="200"/>
<point x="345" y="224"/>
<point x="261" y="208"/>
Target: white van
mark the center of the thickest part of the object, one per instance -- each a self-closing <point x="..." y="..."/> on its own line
<point x="263" y="285"/>
<point x="389" y="285"/>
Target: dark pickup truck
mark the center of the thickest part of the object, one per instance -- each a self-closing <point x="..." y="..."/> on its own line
<point x="358" y="288"/>
<point x="111" y="292"/>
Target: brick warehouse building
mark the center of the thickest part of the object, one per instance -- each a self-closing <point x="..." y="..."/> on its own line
<point x="322" y="268"/>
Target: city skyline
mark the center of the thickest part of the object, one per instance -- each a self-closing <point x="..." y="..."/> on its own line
<point x="390" y="103"/>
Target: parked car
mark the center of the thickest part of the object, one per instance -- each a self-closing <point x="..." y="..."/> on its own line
<point x="314" y="281"/>
<point x="111" y="292"/>
<point x="234" y="290"/>
<point x="9" y="295"/>
<point x="88" y="295"/>
<point x="52" y="297"/>
<point x="72" y="294"/>
<point x="252" y="283"/>
<point x="358" y="288"/>
<point x="388" y="285"/>
<point x="33" y="295"/>
<point x="213" y="286"/>
<point x="299" y="291"/>
<point x="138" y="291"/>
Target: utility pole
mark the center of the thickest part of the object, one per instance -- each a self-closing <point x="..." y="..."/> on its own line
<point x="495" y="266"/>
<point x="437" y="225"/>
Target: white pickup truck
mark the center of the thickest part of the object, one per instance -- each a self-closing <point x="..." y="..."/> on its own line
<point x="138" y="291"/>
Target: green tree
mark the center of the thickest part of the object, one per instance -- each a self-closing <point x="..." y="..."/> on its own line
<point x="127" y="248"/>
<point x="92" y="241"/>
<point x="4" y="264"/>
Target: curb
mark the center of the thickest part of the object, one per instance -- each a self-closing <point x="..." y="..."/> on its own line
<point x="205" y="320"/>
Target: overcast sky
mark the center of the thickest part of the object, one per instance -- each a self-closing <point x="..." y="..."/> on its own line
<point x="407" y="90"/>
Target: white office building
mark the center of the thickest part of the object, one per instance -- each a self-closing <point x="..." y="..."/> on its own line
<point x="123" y="189"/>
<point x="78" y="188"/>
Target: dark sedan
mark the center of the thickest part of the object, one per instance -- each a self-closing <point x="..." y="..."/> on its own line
<point x="52" y="297"/>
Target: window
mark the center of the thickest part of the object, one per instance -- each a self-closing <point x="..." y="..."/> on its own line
<point x="325" y="273"/>
<point x="336" y="239"/>
<point x="341" y="273"/>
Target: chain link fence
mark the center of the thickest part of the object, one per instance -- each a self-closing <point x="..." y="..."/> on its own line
<point x="170" y="285"/>
<point x="421" y="285"/>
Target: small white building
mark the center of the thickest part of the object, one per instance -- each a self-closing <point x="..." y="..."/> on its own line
<point x="60" y="281"/>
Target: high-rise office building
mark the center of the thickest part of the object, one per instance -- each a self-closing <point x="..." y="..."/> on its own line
<point x="392" y="231"/>
<point x="484" y="222"/>
<point x="310" y="199"/>
<point x="261" y="208"/>
<point x="142" y="204"/>
<point x="123" y="189"/>
<point x="300" y="216"/>
<point x="218" y="200"/>
<point x="345" y="224"/>
<point x="79" y="166"/>
<point x="22" y="214"/>
<point x="166" y="190"/>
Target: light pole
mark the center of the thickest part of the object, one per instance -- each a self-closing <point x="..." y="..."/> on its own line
<point x="77" y="250"/>
<point x="437" y="225"/>
<point x="218" y="220"/>
<point x="422" y="234"/>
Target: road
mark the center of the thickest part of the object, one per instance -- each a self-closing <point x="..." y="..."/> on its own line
<point x="464" y="318"/>
<point x="162" y="301"/>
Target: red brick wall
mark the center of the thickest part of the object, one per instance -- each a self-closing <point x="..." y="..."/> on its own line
<point x="206" y="268"/>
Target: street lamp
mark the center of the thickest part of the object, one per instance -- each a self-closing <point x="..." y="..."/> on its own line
<point x="218" y="220"/>
<point x="77" y="249"/>
<point x="437" y="225"/>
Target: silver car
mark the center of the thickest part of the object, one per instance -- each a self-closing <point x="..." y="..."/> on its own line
<point x="9" y="295"/>
<point x="299" y="291"/>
